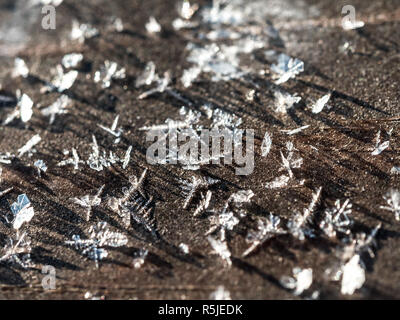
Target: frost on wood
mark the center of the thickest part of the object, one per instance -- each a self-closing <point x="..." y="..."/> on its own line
<point x="58" y="107"/>
<point x="221" y="248"/>
<point x="301" y="280"/>
<point x="266" y="229"/>
<point x="89" y="202"/>
<point x="108" y="72"/>
<point x="22" y="211"/>
<point x="287" y="68"/>
<point x="99" y="237"/>
<point x="337" y="220"/>
<point x="17" y="251"/>
<point x="392" y="198"/>
<point x="220" y="294"/>
<point x="29" y="145"/>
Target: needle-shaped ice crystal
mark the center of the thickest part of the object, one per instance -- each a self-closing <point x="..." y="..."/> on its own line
<point x="113" y="130"/>
<point x="58" y="107"/>
<point x="40" y="166"/>
<point x="23" y="110"/>
<point x="379" y="147"/>
<point x="320" y="103"/>
<point x="108" y="72"/>
<point x="89" y="202"/>
<point x="29" y="145"/>
<point x="127" y="158"/>
<point x="74" y="160"/>
<point x="285" y="101"/>
<point x="392" y="198"/>
<point x="266" y="144"/>
<point x="294" y="131"/>
<point x="17" y="251"/>
<point x="337" y="219"/>
<point x="287" y="68"/>
<point x="99" y="236"/>
<point x="22" y="211"/>
<point x="266" y="229"/>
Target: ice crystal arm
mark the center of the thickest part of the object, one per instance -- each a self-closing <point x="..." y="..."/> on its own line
<point x="266" y="144"/>
<point x="320" y="104"/>
<point x="29" y="145"/>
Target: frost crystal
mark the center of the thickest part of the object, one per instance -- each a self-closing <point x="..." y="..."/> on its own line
<point x="98" y="161"/>
<point x="62" y="81"/>
<point x="81" y="32"/>
<point x="162" y="85"/>
<point x="379" y="147"/>
<point x="353" y="276"/>
<point x="72" y="60"/>
<point x="204" y="203"/>
<point x="6" y="157"/>
<point x="89" y="202"/>
<point x="148" y="75"/>
<point x="29" y="145"/>
<point x="266" y="144"/>
<point x="153" y="26"/>
<point x="392" y="198"/>
<point x="17" y="251"/>
<point x="337" y="219"/>
<point x="287" y="68"/>
<point x="294" y="131"/>
<point x="127" y="157"/>
<point x="41" y="166"/>
<point x="279" y="182"/>
<point x="23" y="110"/>
<point x="107" y="73"/>
<point x="301" y="281"/>
<point x="113" y="130"/>
<point x="320" y="104"/>
<point x="266" y="229"/>
<point x="22" y="211"/>
<point x="221" y="248"/>
<point x="58" y="107"/>
<point x="220" y="294"/>
<point x="284" y="101"/>
<point x="99" y="237"/>
<point x="187" y="10"/>
<point x="75" y="161"/>
<point x="395" y="170"/>
<point x="196" y="185"/>
<point x="299" y="226"/>
<point x="4" y="192"/>
<point x="139" y="258"/>
<point x="20" y="68"/>
<point x="184" y="248"/>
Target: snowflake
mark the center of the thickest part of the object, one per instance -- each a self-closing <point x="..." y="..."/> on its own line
<point x="89" y="202"/>
<point x="100" y="236"/>
<point x="266" y="229"/>
<point x="392" y="198"/>
<point x="337" y="219"/>
<point x="17" y="251"/>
